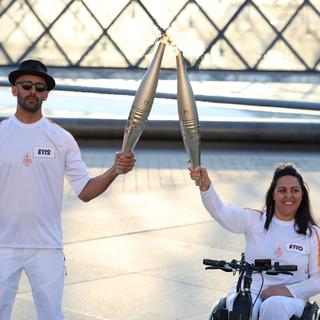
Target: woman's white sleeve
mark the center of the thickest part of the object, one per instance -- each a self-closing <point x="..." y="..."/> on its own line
<point x="232" y="218"/>
<point x="310" y="287"/>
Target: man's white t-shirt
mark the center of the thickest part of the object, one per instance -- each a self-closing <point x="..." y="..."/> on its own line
<point x="34" y="158"/>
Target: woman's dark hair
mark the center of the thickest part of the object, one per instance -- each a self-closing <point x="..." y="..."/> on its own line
<point x="303" y="217"/>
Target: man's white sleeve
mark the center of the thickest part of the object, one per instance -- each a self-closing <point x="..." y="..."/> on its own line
<point x="75" y="169"/>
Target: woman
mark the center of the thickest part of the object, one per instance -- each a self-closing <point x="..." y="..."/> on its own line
<point x="284" y="231"/>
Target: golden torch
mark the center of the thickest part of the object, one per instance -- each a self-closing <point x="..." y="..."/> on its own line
<point x="188" y="114"/>
<point x="143" y="101"/>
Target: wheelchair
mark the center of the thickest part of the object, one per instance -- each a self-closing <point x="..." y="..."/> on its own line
<point x="242" y="305"/>
<point x="220" y="312"/>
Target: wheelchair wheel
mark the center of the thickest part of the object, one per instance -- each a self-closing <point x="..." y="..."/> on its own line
<point x="219" y="311"/>
<point x="316" y="314"/>
<point x="311" y="312"/>
<point x="212" y="315"/>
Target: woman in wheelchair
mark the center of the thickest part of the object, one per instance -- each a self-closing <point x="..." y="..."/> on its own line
<point x="284" y="231"/>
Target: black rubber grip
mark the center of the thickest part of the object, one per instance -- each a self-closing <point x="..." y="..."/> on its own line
<point x="287" y="268"/>
<point x="214" y="263"/>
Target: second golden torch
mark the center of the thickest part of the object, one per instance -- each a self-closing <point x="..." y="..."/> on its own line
<point x="142" y="102"/>
<point x="188" y="114"/>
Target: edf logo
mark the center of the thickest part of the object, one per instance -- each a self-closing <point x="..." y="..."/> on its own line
<point x="296" y="247"/>
<point x="45" y="152"/>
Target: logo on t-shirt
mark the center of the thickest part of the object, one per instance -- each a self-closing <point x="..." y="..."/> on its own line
<point x="295" y="247"/>
<point x="278" y="251"/>
<point x="27" y="159"/>
<point x="43" y="152"/>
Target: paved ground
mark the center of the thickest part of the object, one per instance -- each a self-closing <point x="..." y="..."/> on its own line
<point x="136" y="252"/>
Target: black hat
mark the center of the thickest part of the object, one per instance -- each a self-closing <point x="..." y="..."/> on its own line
<point x="33" y="67"/>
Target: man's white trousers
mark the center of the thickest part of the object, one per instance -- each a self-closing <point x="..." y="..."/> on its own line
<point x="45" y="271"/>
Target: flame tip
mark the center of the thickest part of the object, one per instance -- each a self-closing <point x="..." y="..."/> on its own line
<point x="165" y="38"/>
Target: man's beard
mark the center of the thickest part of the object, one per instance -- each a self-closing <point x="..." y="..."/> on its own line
<point x="30" y="104"/>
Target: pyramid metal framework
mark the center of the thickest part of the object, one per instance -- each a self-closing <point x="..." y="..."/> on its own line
<point x="257" y="35"/>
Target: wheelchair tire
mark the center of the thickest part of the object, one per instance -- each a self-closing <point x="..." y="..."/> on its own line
<point x="219" y="311"/>
<point x="310" y="312"/>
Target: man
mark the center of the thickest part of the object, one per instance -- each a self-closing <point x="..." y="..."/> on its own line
<point x="35" y="155"/>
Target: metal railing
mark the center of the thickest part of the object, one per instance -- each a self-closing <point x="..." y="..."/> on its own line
<point x="273" y="103"/>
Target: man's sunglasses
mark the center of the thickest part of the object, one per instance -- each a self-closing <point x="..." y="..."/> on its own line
<point x="27" y="85"/>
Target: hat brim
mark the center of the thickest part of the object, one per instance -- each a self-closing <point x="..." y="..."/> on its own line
<point x="14" y="75"/>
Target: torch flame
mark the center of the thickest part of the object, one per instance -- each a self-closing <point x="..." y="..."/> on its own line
<point x="172" y="44"/>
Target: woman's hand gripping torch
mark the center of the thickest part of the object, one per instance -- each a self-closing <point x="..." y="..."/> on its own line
<point x="188" y="114"/>
<point x="143" y="101"/>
